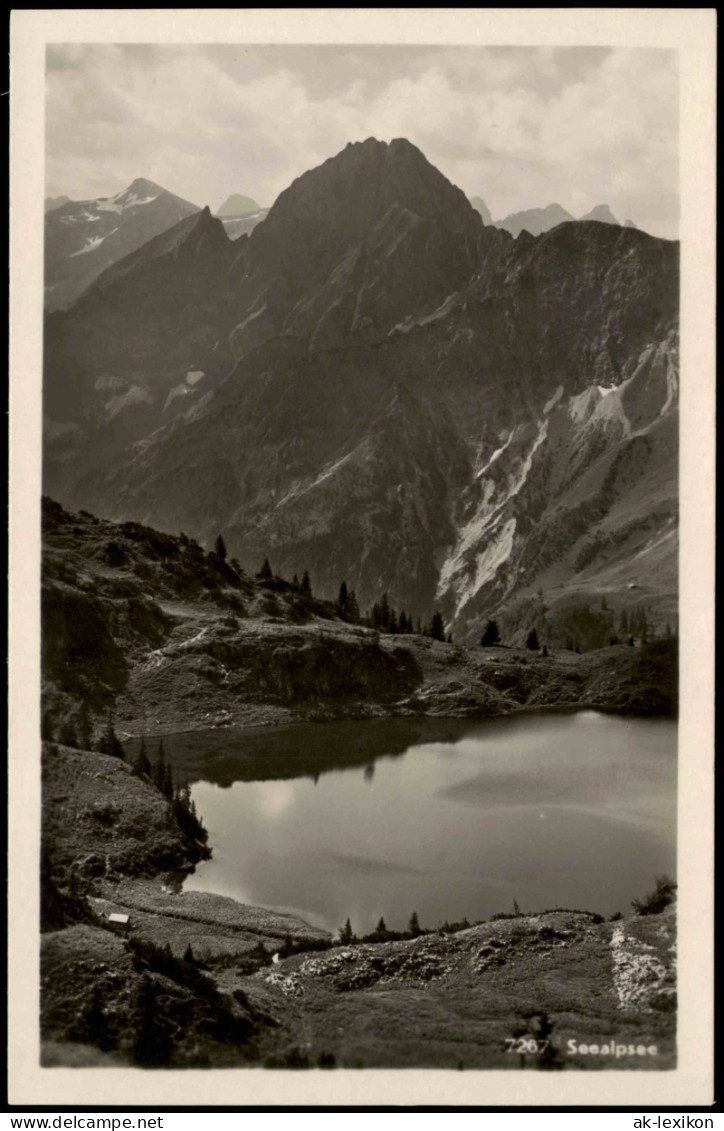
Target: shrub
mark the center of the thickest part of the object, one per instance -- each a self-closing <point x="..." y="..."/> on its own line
<point x="657" y="900"/>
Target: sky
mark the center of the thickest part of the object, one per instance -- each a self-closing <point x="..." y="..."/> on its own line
<point x="520" y="127"/>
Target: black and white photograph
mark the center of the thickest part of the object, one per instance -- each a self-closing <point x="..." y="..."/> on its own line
<point x="369" y="718"/>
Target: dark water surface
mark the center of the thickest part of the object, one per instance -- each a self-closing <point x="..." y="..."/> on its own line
<point x="448" y="818"/>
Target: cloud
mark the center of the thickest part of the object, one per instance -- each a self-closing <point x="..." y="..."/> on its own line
<point x="519" y="127"/>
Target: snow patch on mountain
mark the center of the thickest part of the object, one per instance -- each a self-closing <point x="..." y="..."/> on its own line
<point x="551" y="404"/>
<point x="134" y="396"/>
<point x="410" y="323"/>
<point x="488" y="563"/>
<point x="496" y="455"/>
<point x="121" y="201"/>
<point x="249" y="318"/>
<point x="92" y="243"/>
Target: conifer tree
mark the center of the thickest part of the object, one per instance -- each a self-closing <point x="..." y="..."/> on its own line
<point x="414" y="926"/>
<point x="437" y="627"/>
<point x="167" y="787"/>
<point x="109" y="742"/>
<point x="151" y="1045"/>
<point x="491" y="635"/>
<point x="85" y="728"/>
<point x="346" y="934"/>
<point x="352" y="608"/>
<point x="531" y="642"/>
<point x="343" y="599"/>
<point x="220" y="548"/>
<point x="265" y="573"/>
<point x="67" y="735"/>
<point x="306" y="586"/>
<point x="141" y="764"/>
<point x="159" y="768"/>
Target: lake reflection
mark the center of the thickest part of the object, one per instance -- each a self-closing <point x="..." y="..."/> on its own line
<point x="444" y="817"/>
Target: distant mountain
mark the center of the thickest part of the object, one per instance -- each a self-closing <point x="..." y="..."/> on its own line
<point x="52" y="202"/>
<point x="539" y="220"/>
<point x="375" y="386"/>
<point x="534" y="220"/>
<point x="480" y="206"/>
<point x="630" y="224"/>
<point x="83" y="238"/>
<point x="602" y="213"/>
<point x="236" y="226"/>
<point x="237" y="205"/>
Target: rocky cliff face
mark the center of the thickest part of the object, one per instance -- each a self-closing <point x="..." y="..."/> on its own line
<point x="410" y="401"/>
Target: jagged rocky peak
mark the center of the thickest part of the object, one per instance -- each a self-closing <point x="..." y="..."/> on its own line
<point x="141" y="186"/>
<point x="354" y="189"/>
<point x="602" y="213"/>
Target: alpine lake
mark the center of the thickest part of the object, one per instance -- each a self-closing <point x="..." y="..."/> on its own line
<point x="450" y="818"/>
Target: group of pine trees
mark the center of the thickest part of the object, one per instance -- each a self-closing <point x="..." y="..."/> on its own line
<point x="382" y="616"/>
<point x="381" y="932"/>
<point x="580" y="628"/>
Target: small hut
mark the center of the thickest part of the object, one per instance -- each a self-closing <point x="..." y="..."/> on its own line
<point x="119" y="921"/>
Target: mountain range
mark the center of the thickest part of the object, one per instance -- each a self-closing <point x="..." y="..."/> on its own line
<point x="535" y="221"/>
<point x="84" y="237"/>
<point x="375" y="385"/>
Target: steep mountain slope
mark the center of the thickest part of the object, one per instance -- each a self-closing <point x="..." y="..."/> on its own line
<point x="140" y="341"/>
<point x="83" y="238"/>
<point x="412" y="401"/>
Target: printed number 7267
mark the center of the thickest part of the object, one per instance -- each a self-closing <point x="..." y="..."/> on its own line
<point x="526" y="1045"/>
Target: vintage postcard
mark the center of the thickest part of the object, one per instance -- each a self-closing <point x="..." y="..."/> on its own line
<point x="362" y="497"/>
